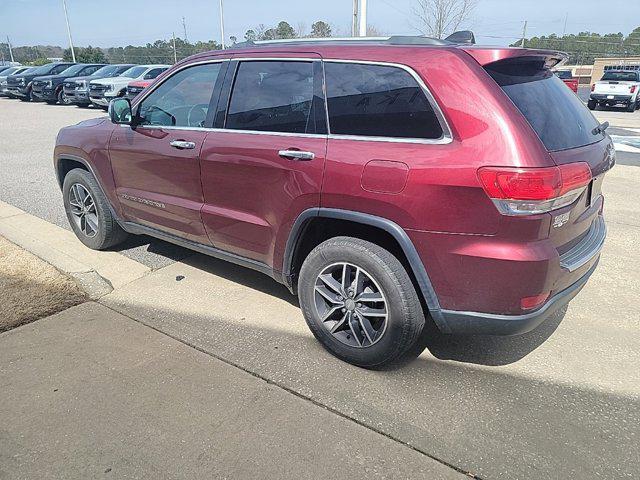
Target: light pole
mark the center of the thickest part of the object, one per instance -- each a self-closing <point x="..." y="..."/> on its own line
<point x="362" y="18"/>
<point x="222" y="23"/>
<point x="66" y="17"/>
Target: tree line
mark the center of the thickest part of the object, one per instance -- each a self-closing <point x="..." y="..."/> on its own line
<point x="584" y="47"/>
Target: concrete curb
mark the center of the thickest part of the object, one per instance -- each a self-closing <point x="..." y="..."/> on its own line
<point x="98" y="273"/>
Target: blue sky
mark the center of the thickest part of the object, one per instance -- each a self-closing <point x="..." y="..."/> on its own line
<point x="119" y="22"/>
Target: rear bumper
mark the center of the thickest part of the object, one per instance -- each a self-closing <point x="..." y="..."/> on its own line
<point x="601" y="97"/>
<point x="476" y="323"/>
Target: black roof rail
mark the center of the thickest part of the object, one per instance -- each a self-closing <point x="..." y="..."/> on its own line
<point x="464" y="37"/>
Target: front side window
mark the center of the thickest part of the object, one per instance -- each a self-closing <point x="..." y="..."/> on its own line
<point x="134" y="72"/>
<point x="90" y="70"/>
<point x="182" y="100"/>
<point x="57" y="70"/>
<point x="153" y="73"/>
<point x="379" y="101"/>
<point x="273" y="96"/>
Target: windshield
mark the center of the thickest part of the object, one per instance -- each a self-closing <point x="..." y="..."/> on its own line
<point x="105" y="71"/>
<point x="134" y="72"/>
<point x="72" y="70"/>
<point x="621" y="76"/>
<point x="564" y="74"/>
<point x="10" y="71"/>
<point x="43" y="70"/>
<point x="556" y="114"/>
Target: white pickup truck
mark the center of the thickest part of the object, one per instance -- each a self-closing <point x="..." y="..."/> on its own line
<point x="616" y="87"/>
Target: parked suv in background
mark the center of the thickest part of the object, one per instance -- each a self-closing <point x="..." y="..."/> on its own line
<point x="4" y="90"/>
<point x="616" y="87"/>
<point x="356" y="174"/>
<point x="50" y="88"/>
<point x="21" y="85"/>
<point x="76" y="90"/>
<point x="101" y="92"/>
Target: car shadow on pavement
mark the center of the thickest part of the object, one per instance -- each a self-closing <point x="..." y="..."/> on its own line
<point x="487" y="349"/>
<point x="483" y="350"/>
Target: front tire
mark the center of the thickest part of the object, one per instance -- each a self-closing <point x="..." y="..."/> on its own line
<point x="591" y="104"/>
<point x="631" y="107"/>
<point x="28" y="97"/>
<point x="88" y="211"/>
<point x="360" y="303"/>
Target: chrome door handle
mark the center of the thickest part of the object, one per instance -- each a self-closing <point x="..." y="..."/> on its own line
<point x="296" y="155"/>
<point x="182" y="145"/>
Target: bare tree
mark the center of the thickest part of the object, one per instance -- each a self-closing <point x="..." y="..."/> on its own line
<point x="373" y="31"/>
<point x="301" y="29"/>
<point x="436" y="18"/>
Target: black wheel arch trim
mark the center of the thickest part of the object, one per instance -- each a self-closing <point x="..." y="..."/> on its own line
<point x="397" y="232"/>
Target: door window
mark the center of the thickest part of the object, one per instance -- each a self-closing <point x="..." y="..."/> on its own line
<point x="153" y="73"/>
<point x="182" y="100"/>
<point x="378" y="100"/>
<point x="272" y="96"/>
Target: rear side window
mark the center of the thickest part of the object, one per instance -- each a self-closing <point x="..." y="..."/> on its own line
<point x="153" y="73"/>
<point x="379" y="101"/>
<point x="556" y="113"/>
<point x="272" y="96"/>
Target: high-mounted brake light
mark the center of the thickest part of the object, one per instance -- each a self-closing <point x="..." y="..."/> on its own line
<point x="528" y="191"/>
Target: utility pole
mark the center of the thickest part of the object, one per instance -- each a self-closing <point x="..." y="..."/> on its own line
<point x="362" y="20"/>
<point x="524" y="34"/>
<point x="184" y="27"/>
<point x="354" y="20"/>
<point x="10" y="49"/>
<point x="66" y="17"/>
<point x="222" y="23"/>
<point x="564" y="29"/>
<point x="175" y="53"/>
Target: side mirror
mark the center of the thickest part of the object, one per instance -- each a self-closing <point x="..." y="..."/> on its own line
<point x="120" y="111"/>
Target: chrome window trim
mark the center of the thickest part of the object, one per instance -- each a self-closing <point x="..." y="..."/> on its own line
<point x="446" y="130"/>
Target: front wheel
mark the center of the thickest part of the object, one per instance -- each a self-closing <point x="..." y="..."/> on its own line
<point x="360" y="303"/>
<point x="62" y="100"/>
<point x="28" y="97"/>
<point x="591" y="104"/>
<point x="88" y="211"/>
<point x="631" y="107"/>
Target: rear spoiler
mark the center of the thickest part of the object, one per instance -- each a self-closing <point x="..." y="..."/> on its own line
<point x="484" y="56"/>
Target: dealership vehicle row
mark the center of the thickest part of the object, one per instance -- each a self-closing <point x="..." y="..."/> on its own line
<point x="82" y="84"/>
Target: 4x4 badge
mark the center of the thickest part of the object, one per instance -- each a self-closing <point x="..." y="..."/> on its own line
<point x="560" y="220"/>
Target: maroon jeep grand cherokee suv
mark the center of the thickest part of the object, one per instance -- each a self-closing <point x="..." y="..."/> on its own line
<point x="385" y="181"/>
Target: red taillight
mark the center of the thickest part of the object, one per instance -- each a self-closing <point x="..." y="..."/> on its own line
<point x="593" y="87"/>
<point x="521" y="183"/>
<point x="525" y="191"/>
<point x="633" y="89"/>
<point x="529" y="303"/>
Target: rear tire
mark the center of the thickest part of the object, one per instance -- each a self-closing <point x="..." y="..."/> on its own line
<point x="378" y="323"/>
<point x="591" y="104"/>
<point x="88" y="211"/>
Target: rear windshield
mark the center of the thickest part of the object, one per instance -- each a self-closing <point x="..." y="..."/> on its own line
<point x="620" y="76"/>
<point x="556" y="113"/>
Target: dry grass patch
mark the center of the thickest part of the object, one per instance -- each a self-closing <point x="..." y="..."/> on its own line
<point x="30" y="288"/>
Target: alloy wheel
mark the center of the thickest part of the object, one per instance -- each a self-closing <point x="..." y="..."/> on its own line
<point x="83" y="209"/>
<point x="351" y="305"/>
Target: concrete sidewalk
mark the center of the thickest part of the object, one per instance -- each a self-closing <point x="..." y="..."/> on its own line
<point x="89" y="393"/>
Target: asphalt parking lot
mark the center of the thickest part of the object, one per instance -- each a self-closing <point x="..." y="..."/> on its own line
<point x="560" y="402"/>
